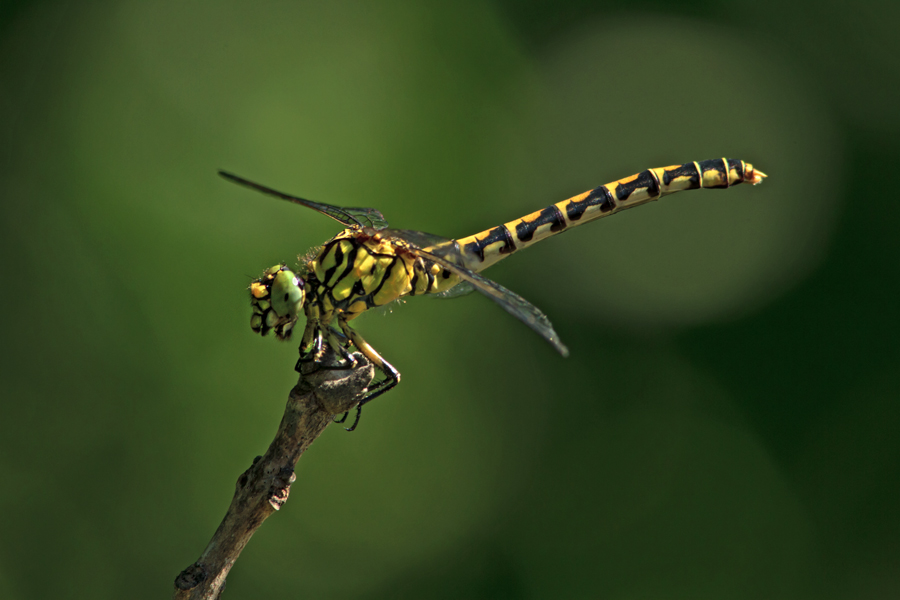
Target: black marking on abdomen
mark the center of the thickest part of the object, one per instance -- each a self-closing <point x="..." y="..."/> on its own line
<point x="715" y="164"/>
<point x="598" y="196"/>
<point x="735" y="164"/>
<point x="550" y="215"/>
<point x="644" y="179"/>
<point x="685" y="170"/>
<point x="497" y="234"/>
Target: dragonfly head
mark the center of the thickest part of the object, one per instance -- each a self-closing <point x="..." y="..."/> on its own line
<point x="277" y="299"/>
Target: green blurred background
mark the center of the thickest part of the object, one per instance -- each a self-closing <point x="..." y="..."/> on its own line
<point x="727" y="425"/>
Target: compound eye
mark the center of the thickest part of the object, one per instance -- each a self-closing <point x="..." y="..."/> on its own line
<point x="287" y="294"/>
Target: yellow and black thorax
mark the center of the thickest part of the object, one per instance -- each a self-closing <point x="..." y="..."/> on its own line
<point x="360" y="268"/>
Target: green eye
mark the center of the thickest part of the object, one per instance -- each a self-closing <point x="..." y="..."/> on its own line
<point x="277" y="300"/>
<point x="287" y="294"/>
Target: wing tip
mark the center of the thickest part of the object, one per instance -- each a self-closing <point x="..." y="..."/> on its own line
<point x="230" y="176"/>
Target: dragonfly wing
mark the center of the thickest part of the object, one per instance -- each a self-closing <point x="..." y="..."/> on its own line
<point x="511" y="302"/>
<point x="463" y="288"/>
<point x="368" y="217"/>
<point x="351" y="217"/>
<point x="446" y="248"/>
<point x="436" y="244"/>
<point x="446" y="253"/>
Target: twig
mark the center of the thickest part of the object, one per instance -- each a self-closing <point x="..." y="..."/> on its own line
<point x="264" y="487"/>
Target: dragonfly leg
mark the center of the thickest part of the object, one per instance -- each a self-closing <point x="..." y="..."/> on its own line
<point x="342" y="347"/>
<point x="310" y="344"/>
<point x="391" y="375"/>
<point x="347" y="360"/>
<point x="310" y="355"/>
<point x="317" y="340"/>
<point x="393" y="378"/>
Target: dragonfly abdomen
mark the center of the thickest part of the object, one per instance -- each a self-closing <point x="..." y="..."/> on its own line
<point x="492" y="245"/>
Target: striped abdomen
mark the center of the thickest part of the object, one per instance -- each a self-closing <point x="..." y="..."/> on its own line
<point x="490" y="246"/>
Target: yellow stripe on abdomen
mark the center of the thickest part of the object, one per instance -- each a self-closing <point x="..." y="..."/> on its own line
<point x="492" y="245"/>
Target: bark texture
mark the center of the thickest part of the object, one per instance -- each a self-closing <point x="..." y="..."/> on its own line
<point x="264" y="487"/>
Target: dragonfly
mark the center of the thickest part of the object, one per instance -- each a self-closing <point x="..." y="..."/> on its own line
<point x="368" y="264"/>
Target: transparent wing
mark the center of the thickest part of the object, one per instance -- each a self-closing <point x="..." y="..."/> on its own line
<point x="446" y="253"/>
<point x="436" y="244"/>
<point x="463" y="288"/>
<point x="351" y="217"/>
<point x="511" y="302"/>
<point x="446" y="248"/>
<point x="368" y="217"/>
